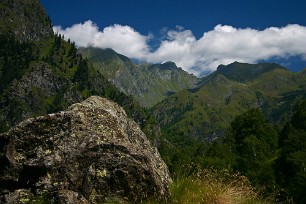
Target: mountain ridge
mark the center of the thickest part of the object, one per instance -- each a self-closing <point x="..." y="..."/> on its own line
<point x="206" y="111"/>
<point x="243" y="72"/>
<point x="147" y="83"/>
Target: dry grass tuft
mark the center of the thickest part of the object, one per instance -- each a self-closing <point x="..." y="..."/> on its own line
<point x="214" y="187"/>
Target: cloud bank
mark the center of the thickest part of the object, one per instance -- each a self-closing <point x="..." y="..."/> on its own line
<point x="222" y="45"/>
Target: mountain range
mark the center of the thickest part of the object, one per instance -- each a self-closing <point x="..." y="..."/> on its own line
<point x="207" y="110"/>
<point x="202" y="107"/>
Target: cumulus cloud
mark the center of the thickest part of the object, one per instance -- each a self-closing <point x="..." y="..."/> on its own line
<point x="123" y="39"/>
<point x="222" y="45"/>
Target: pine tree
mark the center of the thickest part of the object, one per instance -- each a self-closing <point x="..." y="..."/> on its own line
<point x="255" y="143"/>
<point x="292" y="163"/>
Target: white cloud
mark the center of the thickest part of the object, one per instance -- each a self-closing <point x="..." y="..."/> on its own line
<point x="123" y="39"/>
<point x="222" y="45"/>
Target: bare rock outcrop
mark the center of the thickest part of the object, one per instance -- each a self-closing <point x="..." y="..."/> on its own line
<point x="90" y="153"/>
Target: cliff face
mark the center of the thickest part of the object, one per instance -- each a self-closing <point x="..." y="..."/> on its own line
<point x="92" y="153"/>
<point x="32" y="95"/>
<point x="25" y="19"/>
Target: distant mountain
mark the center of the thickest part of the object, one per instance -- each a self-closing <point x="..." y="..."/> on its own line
<point x="147" y="83"/>
<point x="243" y="72"/>
<point x="205" y="112"/>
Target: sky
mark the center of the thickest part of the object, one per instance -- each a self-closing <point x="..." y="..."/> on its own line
<point x="198" y="35"/>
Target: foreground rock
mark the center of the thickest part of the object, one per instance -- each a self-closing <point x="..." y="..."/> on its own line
<point x="90" y="153"/>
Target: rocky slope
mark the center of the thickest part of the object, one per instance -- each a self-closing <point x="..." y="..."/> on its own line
<point x="147" y="83"/>
<point x="25" y="19"/>
<point x="90" y="153"/>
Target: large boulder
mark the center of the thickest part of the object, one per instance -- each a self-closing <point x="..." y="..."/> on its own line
<point x="90" y="153"/>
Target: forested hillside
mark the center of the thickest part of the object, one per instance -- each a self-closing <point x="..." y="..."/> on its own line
<point x="271" y="156"/>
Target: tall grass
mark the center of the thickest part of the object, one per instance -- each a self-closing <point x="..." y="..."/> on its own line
<point x="213" y="187"/>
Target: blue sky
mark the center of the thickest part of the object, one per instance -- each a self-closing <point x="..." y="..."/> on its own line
<point x="162" y="30"/>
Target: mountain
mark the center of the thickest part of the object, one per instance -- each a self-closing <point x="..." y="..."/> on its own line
<point x="41" y="73"/>
<point x="147" y="83"/>
<point x="206" y="111"/>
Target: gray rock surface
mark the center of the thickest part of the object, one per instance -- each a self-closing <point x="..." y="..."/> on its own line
<point x="90" y="153"/>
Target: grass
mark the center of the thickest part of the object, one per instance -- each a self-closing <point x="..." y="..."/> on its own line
<point x="209" y="186"/>
<point x="213" y="187"/>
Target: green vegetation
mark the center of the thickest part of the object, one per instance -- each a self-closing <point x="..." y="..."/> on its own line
<point x="15" y="57"/>
<point x="227" y="124"/>
<point x="291" y="163"/>
<point x="273" y="159"/>
<point x="254" y="142"/>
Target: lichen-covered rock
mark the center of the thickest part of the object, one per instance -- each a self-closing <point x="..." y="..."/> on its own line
<point x="92" y="151"/>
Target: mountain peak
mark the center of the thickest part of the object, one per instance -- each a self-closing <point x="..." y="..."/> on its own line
<point x="169" y="64"/>
<point x="164" y="66"/>
<point x="98" y="54"/>
<point x="245" y="72"/>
